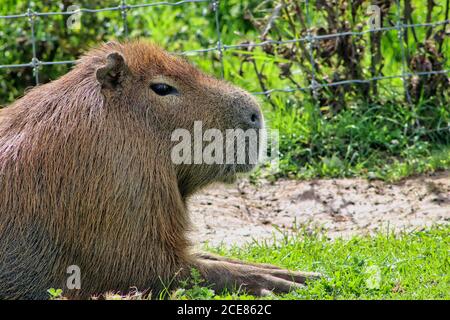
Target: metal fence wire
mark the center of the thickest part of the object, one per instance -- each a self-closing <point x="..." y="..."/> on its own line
<point x="220" y="47"/>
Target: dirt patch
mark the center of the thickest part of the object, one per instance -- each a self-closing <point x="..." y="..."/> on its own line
<point x="238" y="213"/>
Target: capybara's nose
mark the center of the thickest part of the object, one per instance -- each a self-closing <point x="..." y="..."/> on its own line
<point x="247" y="111"/>
<point x="250" y="116"/>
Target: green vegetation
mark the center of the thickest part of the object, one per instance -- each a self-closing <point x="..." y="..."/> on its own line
<point x="412" y="265"/>
<point x="54" y="294"/>
<point x="374" y="141"/>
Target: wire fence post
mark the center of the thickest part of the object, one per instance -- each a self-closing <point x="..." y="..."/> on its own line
<point x="123" y="13"/>
<point x="400" y="29"/>
<point x="220" y="48"/>
<point x="34" y="61"/>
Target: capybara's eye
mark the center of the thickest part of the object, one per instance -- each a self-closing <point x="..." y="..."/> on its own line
<point x="163" y="89"/>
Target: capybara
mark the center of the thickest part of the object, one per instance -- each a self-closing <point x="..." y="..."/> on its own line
<point x="86" y="178"/>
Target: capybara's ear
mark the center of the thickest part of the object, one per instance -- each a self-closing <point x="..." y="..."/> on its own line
<point x="112" y="74"/>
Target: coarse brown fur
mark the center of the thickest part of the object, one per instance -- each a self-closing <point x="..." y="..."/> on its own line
<point x="86" y="176"/>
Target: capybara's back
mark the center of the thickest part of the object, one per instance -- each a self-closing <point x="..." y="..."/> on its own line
<point x="29" y="204"/>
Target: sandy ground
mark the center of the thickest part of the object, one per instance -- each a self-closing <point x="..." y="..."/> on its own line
<point x="239" y="213"/>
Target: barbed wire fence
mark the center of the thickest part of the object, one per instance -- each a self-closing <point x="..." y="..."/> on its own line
<point x="221" y="48"/>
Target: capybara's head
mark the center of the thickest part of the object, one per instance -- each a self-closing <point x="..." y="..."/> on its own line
<point x="181" y="105"/>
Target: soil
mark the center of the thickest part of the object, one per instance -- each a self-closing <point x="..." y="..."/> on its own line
<point x="242" y="212"/>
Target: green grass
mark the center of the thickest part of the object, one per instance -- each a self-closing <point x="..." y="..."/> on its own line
<point x="387" y="141"/>
<point x="412" y="265"/>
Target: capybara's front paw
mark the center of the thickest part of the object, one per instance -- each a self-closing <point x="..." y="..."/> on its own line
<point x="259" y="280"/>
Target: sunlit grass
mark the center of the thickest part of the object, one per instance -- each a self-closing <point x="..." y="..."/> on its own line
<point x="412" y="265"/>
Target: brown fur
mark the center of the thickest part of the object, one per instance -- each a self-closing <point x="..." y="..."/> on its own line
<point x="86" y="177"/>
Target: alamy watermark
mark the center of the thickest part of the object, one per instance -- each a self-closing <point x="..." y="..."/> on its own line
<point x="373" y="277"/>
<point x="74" y="280"/>
<point x="74" y="20"/>
<point x="375" y="17"/>
<point x="225" y="147"/>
